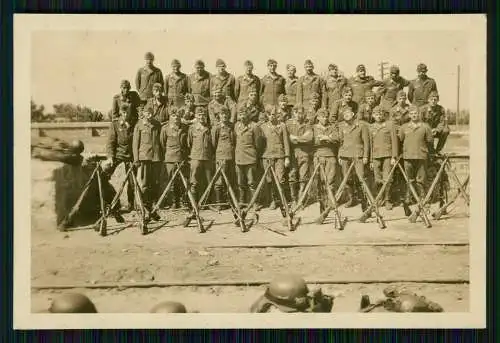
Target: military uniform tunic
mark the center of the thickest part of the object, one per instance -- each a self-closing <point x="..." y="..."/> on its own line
<point x="271" y="87"/>
<point x="176" y="87"/>
<point x="306" y="86"/>
<point x="145" y="79"/>
<point x="243" y="85"/>
<point x="419" y="90"/>
<point x="200" y="87"/>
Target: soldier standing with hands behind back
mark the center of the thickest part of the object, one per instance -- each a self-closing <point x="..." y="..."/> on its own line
<point x="272" y="85"/>
<point x="176" y="85"/>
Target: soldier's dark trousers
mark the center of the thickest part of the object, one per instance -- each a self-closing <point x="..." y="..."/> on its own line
<point x="330" y="166"/>
<point x="298" y="174"/>
<point x="201" y="173"/>
<point x="416" y="170"/>
<point x="148" y="179"/>
<point x="381" y="170"/>
<point x="442" y="137"/>
<point x="220" y="188"/>
<point x="246" y="175"/>
<point x="278" y="164"/>
<point x="177" y="189"/>
<point x="130" y="183"/>
<point x="354" y="185"/>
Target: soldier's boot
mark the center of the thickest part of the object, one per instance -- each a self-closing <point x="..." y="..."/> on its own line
<point x="387" y="199"/>
<point x="242" y="197"/>
<point x="176" y="203"/>
<point x="218" y="198"/>
<point x="322" y="208"/>
<point x="294" y="194"/>
<point x="364" y="203"/>
<point x="349" y="196"/>
<point x="273" y="205"/>
<point x="441" y="142"/>
<point x="407" y="202"/>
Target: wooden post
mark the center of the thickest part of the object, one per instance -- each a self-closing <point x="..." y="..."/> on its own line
<point x="457" y="121"/>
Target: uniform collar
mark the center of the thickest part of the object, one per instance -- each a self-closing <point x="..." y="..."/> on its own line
<point x="274" y="77"/>
<point x="414" y="125"/>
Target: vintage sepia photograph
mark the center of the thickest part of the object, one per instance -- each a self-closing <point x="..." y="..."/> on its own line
<point x="314" y="169"/>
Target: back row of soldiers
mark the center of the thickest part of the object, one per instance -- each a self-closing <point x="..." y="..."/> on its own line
<point x="248" y="138"/>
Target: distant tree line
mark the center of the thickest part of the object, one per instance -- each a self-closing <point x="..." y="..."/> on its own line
<point x="65" y="112"/>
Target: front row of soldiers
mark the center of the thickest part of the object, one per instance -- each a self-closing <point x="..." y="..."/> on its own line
<point x="247" y="141"/>
<point x="287" y="293"/>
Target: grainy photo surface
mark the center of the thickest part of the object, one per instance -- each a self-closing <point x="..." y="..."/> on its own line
<point x="315" y="169"/>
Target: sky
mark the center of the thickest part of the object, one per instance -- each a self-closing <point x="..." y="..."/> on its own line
<point x="86" y="66"/>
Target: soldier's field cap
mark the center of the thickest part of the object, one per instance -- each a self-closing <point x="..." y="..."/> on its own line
<point x="252" y="89"/>
<point x="283" y="98"/>
<point x="248" y="63"/>
<point x="412" y="108"/>
<point x="308" y="62"/>
<point x="189" y="96"/>
<point x="124" y="83"/>
<point x="369" y="93"/>
<point x="157" y="85"/>
<point x="199" y="63"/>
<point x="361" y="67"/>
<point x="290" y="67"/>
<point x="377" y="109"/>
<point x="72" y="303"/>
<point x="149" y="56"/>
<point x="433" y="94"/>
<point x="332" y="66"/>
<point x="175" y="62"/>
<point x="271" y="62"/>
<point x="401" y="93"/>
<point x="421" y="67"/>
<point x="220" y="63"/>
<point x="346" y="89"/>
<point x="200" y="110"/>
<point x="322" y="112"/>
<point x="315" y="96"/>
<point x="394" y="69"/>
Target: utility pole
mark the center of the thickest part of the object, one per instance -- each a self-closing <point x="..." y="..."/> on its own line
<point x="381" y="68"/>
<point x="458" y="98"/>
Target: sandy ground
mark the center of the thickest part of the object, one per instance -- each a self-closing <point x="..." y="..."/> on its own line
<point x="171" y="253"/>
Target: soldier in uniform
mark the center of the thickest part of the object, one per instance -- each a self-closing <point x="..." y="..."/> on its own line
<point x="223" y="142"/>
<point x="392" y="85"/>
<point x="147" y="154"/>
<point x="326" y="141"/>
<point x="276" y="153"/>
<point x="418" y="143"/>
<point x="333" y="85"/>
<point x="219" y="102"/>
<point x="354" y="148"/>
<point x="291" y="85"/>
<point x="420" y="88"/>
<point x="245" y="84"/>
<point x="301" y="140"/>
<point x="384" y="151"/>
<point x="434" y="115"/>
<point x="146" y="77"/>
<point x="247" y="153"/>
<point x="127" y="97"/>
<point x="223" y="80"/>
<point x="199" y="84"/>
<point x="72" y="303"/>
<point x="366" y="108"/>
<point x="283" y="108"/>
<point x="157" y="105"/>
<point x="314" y="106"/>
<point x="173" y="140"/>
<point x="399" y="112"/>
<point x="272" y="85"/>
<point x="345" y="103"/>
<point x="201" y="151"/>
<point x="119" y="149"/>
<point x="251" y="105"/>
<point x="169" y="307"/>
<point x="290" y="294"/>
<point x="361" y="83"/>
<point x="309" y="84"/>
<point x="187" y="112"/>
<point x="176" y="85"/>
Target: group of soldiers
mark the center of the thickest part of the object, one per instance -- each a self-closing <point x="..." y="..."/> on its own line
<point x="202" y="121"/>
<point x="287" y="293"/>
